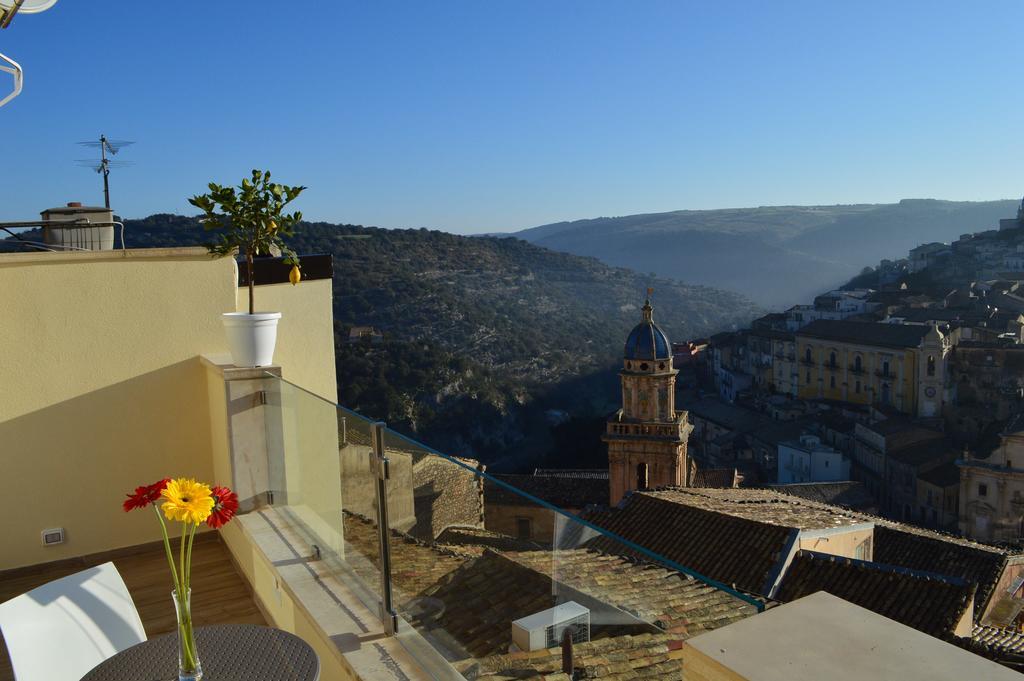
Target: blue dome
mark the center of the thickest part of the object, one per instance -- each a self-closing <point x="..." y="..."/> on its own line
<point x="647" y="340"/>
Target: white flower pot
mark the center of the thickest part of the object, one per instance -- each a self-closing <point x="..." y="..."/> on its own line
<point x="251" y="337"/>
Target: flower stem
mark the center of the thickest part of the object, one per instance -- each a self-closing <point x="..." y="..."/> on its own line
<point x="185" y="631"/>
<point x="181" y="560"/>
<point x="188" y="556"/>
<point x="167" y="549"/>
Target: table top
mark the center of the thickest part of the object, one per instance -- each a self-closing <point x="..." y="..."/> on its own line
<point x="227" y="652"/>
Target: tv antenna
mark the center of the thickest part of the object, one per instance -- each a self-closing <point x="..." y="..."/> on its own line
<point x="104" y="164"/>
<point x="8" y="8"/>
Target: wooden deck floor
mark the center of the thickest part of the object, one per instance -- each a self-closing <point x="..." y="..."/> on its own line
<point x="219" y="594"/>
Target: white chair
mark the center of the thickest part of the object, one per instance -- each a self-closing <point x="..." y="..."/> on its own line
<point x="61" y="630"/>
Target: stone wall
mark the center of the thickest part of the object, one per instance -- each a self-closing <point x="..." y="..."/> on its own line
<point x="445" y="494"/>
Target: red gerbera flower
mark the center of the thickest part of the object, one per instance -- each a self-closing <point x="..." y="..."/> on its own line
<point x="224" y="507"/>
<point x="145" y="495"/>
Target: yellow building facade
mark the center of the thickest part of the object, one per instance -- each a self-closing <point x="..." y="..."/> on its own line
<point x="902" y="366"/>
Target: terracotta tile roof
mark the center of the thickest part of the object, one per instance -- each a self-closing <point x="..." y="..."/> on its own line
<point x="925" y="452"/>
<point x="468" y="541"/>
<point x="730" y="549"/>
<point x="849" y="494"/>
<point x="644" y="656"/>
<point x="946" y="475"/>
<point x="762" y="505"/>
<point x="1005" y="646"/>
<point x="464" y="598"/>
<point x="920" y="549"/>
<point x="714" y="477"/>
<point x="730" y="416"/>
<point x="558" y="491"/>
<point x="470" y="610"/>
<point x="581" y="473"/>
<point x="416" y="564"/>
<point x="1007" y="640"/>
<point x="927" y="602"/>
<point x="680" y="604"/>
<point x="867" y="333"/>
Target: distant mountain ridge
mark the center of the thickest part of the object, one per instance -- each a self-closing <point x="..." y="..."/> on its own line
<point x="776" y="255"/>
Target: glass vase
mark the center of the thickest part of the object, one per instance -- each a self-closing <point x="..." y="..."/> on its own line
<point x="189" y="668"/>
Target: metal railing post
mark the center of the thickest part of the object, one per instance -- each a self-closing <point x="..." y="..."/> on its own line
<point x="388" y="615"/>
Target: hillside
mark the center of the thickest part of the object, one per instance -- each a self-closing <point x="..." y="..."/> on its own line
<point x="776" y="255"/>
<point x="481" y="334"/>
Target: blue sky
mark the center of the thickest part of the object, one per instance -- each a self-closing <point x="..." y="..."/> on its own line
<point x="485" y="116"/>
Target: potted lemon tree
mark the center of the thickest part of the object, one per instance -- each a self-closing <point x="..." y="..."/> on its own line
<point x="250" y="219"/>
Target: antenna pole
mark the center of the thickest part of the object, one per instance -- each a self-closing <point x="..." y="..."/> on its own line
<point x="106" y="171"/>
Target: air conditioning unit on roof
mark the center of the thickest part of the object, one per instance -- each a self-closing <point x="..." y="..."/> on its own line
<point x="545" y="629"/>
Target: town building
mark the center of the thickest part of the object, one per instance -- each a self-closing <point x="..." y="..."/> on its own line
<point x="870" y="363"/>
<point x="774" y="368"/>
<point x="647" y="437"/>
<point x="1013" y="223"/>
<point x="938" y="497"/>
<point x="987" y="380"/>
<point x="926" y="255"/>
<point x="365" y="334"/>
<point x="874" y="445"/>
<point x="809" y="460"/>
<point x="905" y="467"/>
<point x="835" y="305"/>
<point x="992" y="489"/>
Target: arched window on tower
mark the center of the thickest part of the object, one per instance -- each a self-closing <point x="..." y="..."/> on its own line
<point x="931" y="365"/>
<point x="641" y="476"/>
<point x="856" y="363"/>
<point x="832" y="359"/>
<point x="807" y="355"/>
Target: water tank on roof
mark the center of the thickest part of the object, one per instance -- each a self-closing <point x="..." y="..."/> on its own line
<point x="76" y="227"/>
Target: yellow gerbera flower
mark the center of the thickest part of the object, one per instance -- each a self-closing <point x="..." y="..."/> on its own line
<point x="187" y="501"/>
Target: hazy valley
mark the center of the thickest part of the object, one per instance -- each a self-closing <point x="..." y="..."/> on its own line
<point x="776" y="255"/>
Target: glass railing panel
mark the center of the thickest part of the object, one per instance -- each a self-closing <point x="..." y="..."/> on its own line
<point x="492" y="577"/>
<point x="324" y="479"/>
<point x="485" y="577"/>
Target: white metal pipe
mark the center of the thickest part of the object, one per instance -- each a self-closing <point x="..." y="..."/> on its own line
<point x="19" y="76"/>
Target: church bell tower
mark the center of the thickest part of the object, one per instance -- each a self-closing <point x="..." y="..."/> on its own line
<point x="647" y="437"/>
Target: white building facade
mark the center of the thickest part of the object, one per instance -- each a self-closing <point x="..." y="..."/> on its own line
<point x="809" y="460"/>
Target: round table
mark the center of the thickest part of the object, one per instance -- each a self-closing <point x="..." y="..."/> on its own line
<point x="227" y="652"/>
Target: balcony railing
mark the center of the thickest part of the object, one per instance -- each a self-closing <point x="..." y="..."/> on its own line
<point x="404" y="526"/>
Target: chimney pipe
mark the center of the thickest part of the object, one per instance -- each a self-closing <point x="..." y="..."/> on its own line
<point x="74" y="204"/>
<point x="567" y="656"/>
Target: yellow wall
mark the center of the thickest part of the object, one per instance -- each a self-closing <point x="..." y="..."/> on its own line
<point x="840" y="543"/>
<point x="102" y="388"/>
<point x="902" y="367"/>
<point x="699" y="667"/>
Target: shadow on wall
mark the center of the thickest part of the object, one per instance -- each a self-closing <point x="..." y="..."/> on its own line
<point x="75" y="460"/>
